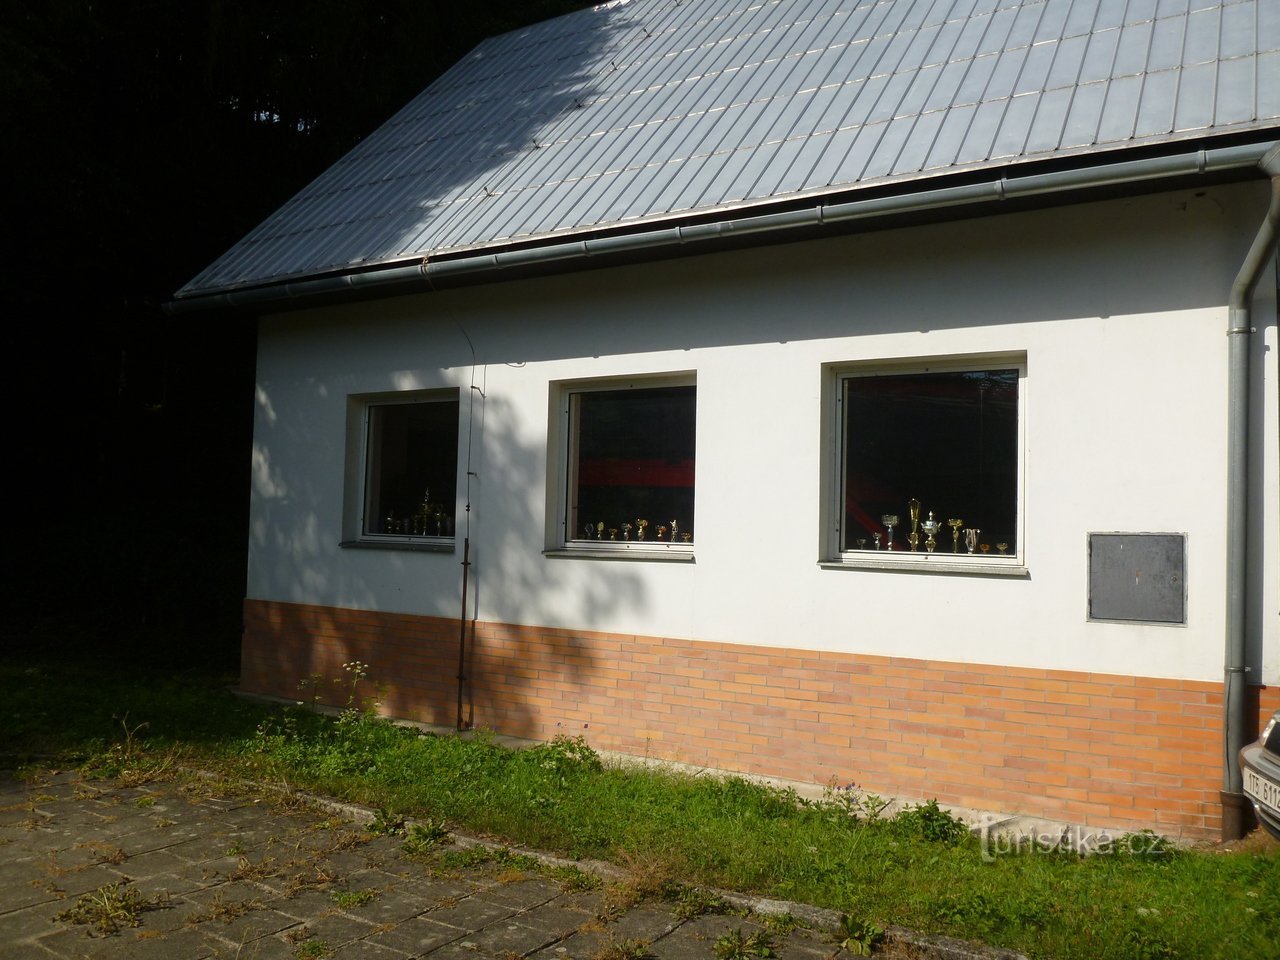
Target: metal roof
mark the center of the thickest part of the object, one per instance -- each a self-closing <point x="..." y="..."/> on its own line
<point x="646" y="110"/>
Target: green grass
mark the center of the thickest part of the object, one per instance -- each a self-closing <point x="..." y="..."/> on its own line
<point x="915" y="869"/>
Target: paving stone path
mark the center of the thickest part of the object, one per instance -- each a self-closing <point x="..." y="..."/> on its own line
<point x="190" y="868"/>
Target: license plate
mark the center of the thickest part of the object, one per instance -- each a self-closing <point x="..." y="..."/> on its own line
<point x="1264" y="791"/>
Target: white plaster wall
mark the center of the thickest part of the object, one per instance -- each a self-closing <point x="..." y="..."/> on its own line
<point x="1119" y="307"/>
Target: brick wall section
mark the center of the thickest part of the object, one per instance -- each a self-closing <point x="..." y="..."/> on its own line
<point x="1108" y="750"/>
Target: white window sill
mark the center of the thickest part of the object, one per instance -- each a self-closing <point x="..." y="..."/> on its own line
<point x="624" y="551"/>
<point x="417" y="544"/>
<point x="906" y="562"/>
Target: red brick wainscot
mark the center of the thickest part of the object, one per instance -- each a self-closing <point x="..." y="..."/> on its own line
<point x="1107" y="750"/>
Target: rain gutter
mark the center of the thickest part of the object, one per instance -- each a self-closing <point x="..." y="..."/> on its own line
<point x="1235" y="720"/>
<point x="430" y="274"/>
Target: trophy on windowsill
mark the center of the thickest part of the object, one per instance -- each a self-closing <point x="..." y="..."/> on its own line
<point x="877" y="536"/>
<point x="913" y="512"/>
<point x="955" y="526"/>
<point x="931" y="527"/>
<point x="971" y="538"/>
<point x="890" y="520"/>
<point x="626" y="531"/>
<point x="640" y="525"/>
<point x="1003" y="548"/>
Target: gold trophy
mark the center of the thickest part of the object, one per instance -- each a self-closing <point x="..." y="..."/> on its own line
<point x="955" y="526"/>
<point x="913" y="511"/>
<point x="931" y="527"/>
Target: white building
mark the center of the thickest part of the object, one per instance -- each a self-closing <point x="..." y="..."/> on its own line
<point x="592" y="377"/>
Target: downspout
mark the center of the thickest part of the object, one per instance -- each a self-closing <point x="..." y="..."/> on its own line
<point x="1235" y="721"/>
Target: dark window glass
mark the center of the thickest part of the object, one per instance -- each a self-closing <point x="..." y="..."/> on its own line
<point x="949" y="440"/>
<point x="412" y="462"/>
<point x="631" y="459"/>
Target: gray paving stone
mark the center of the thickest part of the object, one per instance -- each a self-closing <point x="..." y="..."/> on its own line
<point x="69" y="944"/>
<point x="583" y="945"/>
<point x="471" y="913"/>
<point x="251" y="926"/>
<point x="28" y="923"/>
<point x="556" y="918"/>
<point x="336" y="929"/>
<point x="267" y="948"/>
<point x="367" y="950"/>
<point x="523" y="894"/>
<point x="459" y="950"/>
<point x="181" y="944"/>
<point x="417" y="936"/>
<point x="697" y="937"/>
<point x="644" y="922"/>
<point x="505" y="938"/>
<point x="392" y="905"/>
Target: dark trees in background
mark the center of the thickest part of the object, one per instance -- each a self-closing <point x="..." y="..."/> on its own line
<point x="141" y="139"/>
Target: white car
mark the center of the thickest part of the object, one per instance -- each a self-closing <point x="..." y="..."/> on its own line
<point x="1260" y="765"/>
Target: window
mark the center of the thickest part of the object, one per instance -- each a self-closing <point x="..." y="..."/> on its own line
<point x="928" y="462"/>
<point x="409" y="466"/>
<point x="628" y="466"/>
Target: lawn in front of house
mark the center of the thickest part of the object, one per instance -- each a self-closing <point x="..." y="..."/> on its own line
<point x="920" y="868"/>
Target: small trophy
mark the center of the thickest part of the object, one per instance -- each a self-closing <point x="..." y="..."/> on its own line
<point x="877" y="536"/>
<point x="686" y="537"/>
<point x="971" y="538"/>
<point x="675" y="529"/>
<point x="1003" y="548"/>
<point x="955" y="526"/>
<point x="890" y="520"/>
<point x="931" y="527"/>
<point x="626" y="531"/>
<point x="600" y="530"/>
<point x="985" y="548"/>
<point x="587" y="531"/>
<point x="913" y="538"/>
<point x="640" y="525"/>
<point x="861" y="542"/>
<point x="913" y="512"/>
<point x="662" y="531"/>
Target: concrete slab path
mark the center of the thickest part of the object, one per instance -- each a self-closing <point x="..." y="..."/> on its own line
<point x="191" y="868"/>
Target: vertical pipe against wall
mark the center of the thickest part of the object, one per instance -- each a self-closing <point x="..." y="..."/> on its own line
<point x="1239" y="330"/>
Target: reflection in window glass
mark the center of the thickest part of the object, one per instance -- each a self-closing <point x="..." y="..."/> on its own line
<point x="632" y="464"/>
<point x="411" y="468"/>
<point x="948" y="440"/>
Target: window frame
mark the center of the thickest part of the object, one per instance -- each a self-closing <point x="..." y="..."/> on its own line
<point x="834" y="467"/>
<point x="560" y="472"/>
<point x="359" y="463"/>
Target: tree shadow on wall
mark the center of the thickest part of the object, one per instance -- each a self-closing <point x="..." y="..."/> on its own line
<point x="532" y="657"/>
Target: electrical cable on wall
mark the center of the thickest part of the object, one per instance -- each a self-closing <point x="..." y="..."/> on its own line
<point x="473" y="389"/>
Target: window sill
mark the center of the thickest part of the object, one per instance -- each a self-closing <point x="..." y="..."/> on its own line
<point x="417" y="545"/>
<point x="943" y="564"/>
<point x="623" y="552"/>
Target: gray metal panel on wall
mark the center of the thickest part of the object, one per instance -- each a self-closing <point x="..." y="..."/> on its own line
<point x="1138" y="577"/>
<point x="648" y="110"/>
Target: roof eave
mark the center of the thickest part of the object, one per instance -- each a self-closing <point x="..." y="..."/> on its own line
<point x="511" y="259"/>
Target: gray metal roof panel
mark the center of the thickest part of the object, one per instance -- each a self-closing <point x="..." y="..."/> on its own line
<point x="649" y="109"/>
